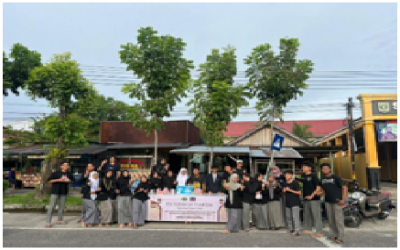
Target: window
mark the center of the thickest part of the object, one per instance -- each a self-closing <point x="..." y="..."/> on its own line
<point x="344" y="141"/>
<point x="333" y="142"/>
<point x="325" y="144"/>
<point x="359" y="138"/>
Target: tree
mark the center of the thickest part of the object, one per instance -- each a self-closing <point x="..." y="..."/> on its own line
<point x="216" y="101"/>
<point x="61" y="83"/>
<point x="98" y="108"/>
<point x="165" y="76"/>
<point x="302" y="131"/>
<point x="276" y="79"/>
<point x="16" y="71"/>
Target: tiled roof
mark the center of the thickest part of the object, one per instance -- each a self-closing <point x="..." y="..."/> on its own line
<point x="319" y="128"/>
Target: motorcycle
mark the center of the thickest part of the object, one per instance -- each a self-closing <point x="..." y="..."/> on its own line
<point x="366" y="204"/>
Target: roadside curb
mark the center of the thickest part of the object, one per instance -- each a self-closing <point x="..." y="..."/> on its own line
<point x="38" y="208"/>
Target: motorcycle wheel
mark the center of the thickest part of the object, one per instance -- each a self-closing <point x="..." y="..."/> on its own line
<point x="382" y="216"/>
<point x="354" y="223"/>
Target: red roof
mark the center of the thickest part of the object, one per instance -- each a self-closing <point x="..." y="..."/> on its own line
<point x="319" y="128"/>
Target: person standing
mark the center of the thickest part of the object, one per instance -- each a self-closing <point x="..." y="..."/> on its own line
<point x="90" y="168"/>
<point x="90" y="190"/>
<point x="312" y="203"/>
<point x="197" y="181"/>
<point x="60" y="181"/>
<point x="156" y="182"/>
<point x="274" y="208"/>
<point x="169" y="181"/>
<point x="182" y="177"/>
<point x="213" y="181"/>
<point x="249" y="192"/>
<point x="335" y="194"/>
<point x="164" y="171"/>
<point x="107" y="197"/>
<point x="11" y="177"/>
<point x="259" y="203"/>
<point x="280" y="178"/>
<point x="233" y="205"/>
<point x="292" y="193"/>
<point x="159" y="166"/>
<point x="140" y="197"/>
<point x="112" y="165"/>
<point x="239" y="169"/>
<point x="124" y="199"/>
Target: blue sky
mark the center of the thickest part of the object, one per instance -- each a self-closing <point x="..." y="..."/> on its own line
<point x="336" y="37"/>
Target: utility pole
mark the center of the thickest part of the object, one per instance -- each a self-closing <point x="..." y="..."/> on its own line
<point x="350" y="106"/>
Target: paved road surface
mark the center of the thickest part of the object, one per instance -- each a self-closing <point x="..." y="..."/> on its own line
<point x="27" y="230"/>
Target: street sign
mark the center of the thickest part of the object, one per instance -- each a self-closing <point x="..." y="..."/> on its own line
<point x="277" y="142"/>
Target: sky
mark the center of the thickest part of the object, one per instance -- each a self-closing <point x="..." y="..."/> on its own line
<point x="353" y="45"/>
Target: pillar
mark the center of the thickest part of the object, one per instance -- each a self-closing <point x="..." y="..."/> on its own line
<point x="372" y="156"/>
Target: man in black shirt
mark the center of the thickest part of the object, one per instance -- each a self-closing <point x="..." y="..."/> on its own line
<point x="335" y="194"/>
<point x="292" y="192"/>
<point x="60" y="181"/>
<point x="312" y="203"/>
<point x="112" y="166"/>
<point x="239" y="169"/>
<point x="213" y="181"/>
<point x="197" y="181"/>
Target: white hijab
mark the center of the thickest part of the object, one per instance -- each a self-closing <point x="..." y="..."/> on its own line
<point x="94" y="184"/>
<point x="181" y="179"/>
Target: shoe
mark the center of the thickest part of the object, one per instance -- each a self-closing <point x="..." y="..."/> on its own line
<point x="295" y="234"/>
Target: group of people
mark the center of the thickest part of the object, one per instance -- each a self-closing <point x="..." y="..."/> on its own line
<point x="271" y="203"/>
<point x="274" y="202"/>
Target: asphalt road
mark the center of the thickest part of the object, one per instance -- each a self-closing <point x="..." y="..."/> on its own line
<point x="27" y="230"/>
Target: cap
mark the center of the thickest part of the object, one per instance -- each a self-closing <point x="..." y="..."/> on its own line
<point x="239" y="161"/>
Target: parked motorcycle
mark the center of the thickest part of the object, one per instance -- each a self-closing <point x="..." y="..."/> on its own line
<point x="366" y="204"/>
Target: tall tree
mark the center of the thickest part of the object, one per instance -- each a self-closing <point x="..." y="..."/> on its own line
<point x="61" y="83"/>
<point x="164" y="73"/>
<point x="302" y="131"/>
<point x="17" y="67"/>
<point x="216" y="101"/>
<point x="276" y="79"/>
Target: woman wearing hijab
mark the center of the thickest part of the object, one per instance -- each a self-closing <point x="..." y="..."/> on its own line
<point x="124" y="199"/>
<point x="274" y="210"/>
<point x="106" y="197"/>
<point x="182" y="177"/>
<point x="156" y="182"/>
<point x="280" y="178"/>
<point x="139" y="202"/>
<point x="260" y="202"/>
<point x="169" y="181"/>
<point x="234" y="205"/>
<point x="90" y="190"/>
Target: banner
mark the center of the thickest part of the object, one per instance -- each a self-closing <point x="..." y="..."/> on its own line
<point x="387" y="131"/>
<point x="203" y="208"/>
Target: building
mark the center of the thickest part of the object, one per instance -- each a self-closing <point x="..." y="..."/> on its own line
<point x="375" y="139"/>
<point x="319" y="128"/>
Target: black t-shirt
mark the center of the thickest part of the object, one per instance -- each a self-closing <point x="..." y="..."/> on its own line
<point x="333" y="188"/>
<point x="240" y="172"/>
<point x="110" y="167"/>
<point x="226" y="177"/>
<point x="310" y="183"/>
<point x="292" y="200"/>
<point x="196" y="182"/>
<point x="60" y="187"/>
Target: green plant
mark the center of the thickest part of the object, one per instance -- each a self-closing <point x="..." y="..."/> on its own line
<point x="5" y="185"/>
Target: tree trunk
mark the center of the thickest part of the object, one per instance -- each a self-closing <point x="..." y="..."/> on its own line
<point x="52" y="164"/>
<point x="155" y="145"/>
<point x="211" y="159"/>
<point x="271" y="161"/>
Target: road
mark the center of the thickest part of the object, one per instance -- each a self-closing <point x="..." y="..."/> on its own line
<point x="27" y="230"/>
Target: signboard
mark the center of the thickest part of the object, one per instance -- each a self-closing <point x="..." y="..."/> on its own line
<point x="277" y="142"/>
<point x="387" y="131"/>
<point x="384" y="107"/>
<point x="201" y="208"/>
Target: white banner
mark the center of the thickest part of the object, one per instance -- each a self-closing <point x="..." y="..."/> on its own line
<point x="205" y="208"/>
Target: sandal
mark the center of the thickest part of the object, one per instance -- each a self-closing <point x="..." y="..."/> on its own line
<point x="337" y="241"/>
<point x="48" y="226"/>
<point x="317" y="235"/>
<point x="61" y="222"/>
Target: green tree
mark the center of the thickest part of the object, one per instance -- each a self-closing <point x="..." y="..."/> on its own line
<point x="302" y="131"/>
<point x="22" y="138"/>
<point x="216" y="101"/>
<point x="61" y="83"/>
<point x="17" y="67"/>
<point x="276" y="79"/>
<point x="165" y="76"/>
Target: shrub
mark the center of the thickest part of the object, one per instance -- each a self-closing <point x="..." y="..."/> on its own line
<point x="5" y="185"/>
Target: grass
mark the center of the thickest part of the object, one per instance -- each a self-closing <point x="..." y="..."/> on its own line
<point x="29" y="199"/>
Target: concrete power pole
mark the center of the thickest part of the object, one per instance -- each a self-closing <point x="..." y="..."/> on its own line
<point x="350" y="106"/>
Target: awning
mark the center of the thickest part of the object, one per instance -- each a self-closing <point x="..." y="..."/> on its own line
<point x="91" y="149"/>
<point x="285" y="153"/>
<point x="217" y="150"/>
<point x="147" y="145"/>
